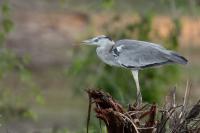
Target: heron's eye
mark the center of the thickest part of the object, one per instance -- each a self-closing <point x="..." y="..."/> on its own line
<point x="96" y="40"/>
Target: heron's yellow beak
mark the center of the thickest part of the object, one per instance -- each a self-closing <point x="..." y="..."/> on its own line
<point x="88" y="42"/>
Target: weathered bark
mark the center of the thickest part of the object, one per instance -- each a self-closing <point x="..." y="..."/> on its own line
<point x="117" y="120"/>
<point x="144" y="119"/>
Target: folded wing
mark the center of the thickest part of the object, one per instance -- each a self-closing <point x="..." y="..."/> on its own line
<point x="140" y="54"/>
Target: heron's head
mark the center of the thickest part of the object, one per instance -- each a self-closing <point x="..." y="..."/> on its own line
<point x="99" y="41"/>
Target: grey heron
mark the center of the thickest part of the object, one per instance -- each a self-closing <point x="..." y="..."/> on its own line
<point x="134" y="55"/>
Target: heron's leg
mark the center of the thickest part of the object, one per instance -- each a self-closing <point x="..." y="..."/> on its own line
<point x="139" y="95"/>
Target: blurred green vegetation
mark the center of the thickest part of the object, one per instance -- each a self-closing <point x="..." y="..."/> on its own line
<point x="141" y="6"/>
<point x="14" y="105"/>
<point x="87" y="71"/>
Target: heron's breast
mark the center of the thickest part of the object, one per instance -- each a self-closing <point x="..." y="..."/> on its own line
<point x="106" y="56"/>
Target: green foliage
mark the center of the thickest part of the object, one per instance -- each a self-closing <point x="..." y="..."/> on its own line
<point x="7" y="23"/>
<point x="12" y="105"/>
<point x="107" y="3"/>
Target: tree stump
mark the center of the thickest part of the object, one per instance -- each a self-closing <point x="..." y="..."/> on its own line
<point x="143" y="119"/>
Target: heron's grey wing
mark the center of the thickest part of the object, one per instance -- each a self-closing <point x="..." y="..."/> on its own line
<point x="139" y="54"/>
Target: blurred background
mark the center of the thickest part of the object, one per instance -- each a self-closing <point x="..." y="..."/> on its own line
<point x="44" y="70"/>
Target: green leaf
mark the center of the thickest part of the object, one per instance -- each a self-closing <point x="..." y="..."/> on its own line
<point x="107" y="4"/>
<point x="2" y="38"/>
<point x="40" y="99"/>
<point x="7" y="25"/>
<point x="5" y="9"/>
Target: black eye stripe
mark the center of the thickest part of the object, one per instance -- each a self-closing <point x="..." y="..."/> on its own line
<point x="108" y="38"/>
<point x="96" y="40"/>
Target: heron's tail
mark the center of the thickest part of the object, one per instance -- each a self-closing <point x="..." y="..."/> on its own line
<point x="175" y="57"/>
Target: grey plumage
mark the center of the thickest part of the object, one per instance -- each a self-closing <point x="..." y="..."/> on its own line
<point x="139" y="54"/>
<point x="134" y="55"/>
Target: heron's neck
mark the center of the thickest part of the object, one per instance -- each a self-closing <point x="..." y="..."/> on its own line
<point x="106" y="47"/>
<point x="105" y="54"/>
